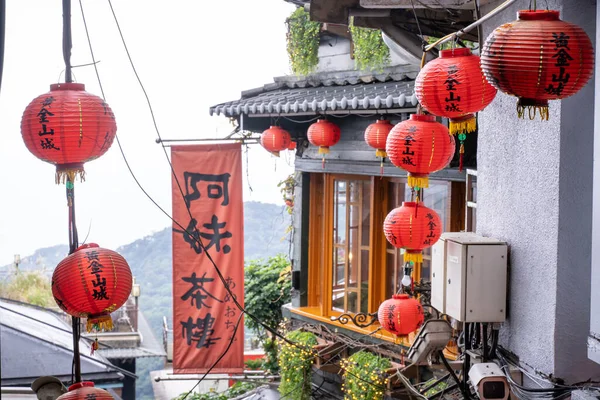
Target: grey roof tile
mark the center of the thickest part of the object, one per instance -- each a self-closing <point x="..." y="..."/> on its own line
<point x="322" y="99"/>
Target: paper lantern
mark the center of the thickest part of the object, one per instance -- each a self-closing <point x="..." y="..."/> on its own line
<point x="275" y="139"/>
<point x="323" y="134"/>
<point x="400" y="315"/>
<point x="85" y="391"/>
<point x="68" y="127"/>
<point x="91" y="283"/>
<point x="453" y="86"/>
<point x="412" y="227"/>
<point x="376" y="136"/>
<point x="420" y="146"/>
<point x="538" y="58"/>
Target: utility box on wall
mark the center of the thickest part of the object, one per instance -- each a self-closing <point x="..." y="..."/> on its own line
<point x="469" y="277"/>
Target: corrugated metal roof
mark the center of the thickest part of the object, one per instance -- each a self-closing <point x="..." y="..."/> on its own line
<point x="149" y="346"/>
<point x="349" y="98"/>
<point x="31" y="347"/>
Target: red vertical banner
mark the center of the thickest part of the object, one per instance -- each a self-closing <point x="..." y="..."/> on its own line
<point x="204" y="313"/>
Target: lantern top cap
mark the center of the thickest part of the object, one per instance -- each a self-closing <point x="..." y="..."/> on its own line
<point x="80" y="385"/>
<point x="422" y="117"/>
<point x="401" y="296"/>
<point x="459" y="52"/>
<point x="67" y="86"/>
<point x="412" y="204"/>
<point x="88" y="246"/>
<point x="539" y="15"/>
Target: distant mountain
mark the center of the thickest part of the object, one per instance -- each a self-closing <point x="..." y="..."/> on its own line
<point x="150" y="257"/>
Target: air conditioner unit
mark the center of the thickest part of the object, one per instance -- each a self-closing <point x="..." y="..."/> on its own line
<point x="469" y="277"/>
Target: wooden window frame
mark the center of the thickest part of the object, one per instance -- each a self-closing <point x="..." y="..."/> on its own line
<point x="320" y="244"/>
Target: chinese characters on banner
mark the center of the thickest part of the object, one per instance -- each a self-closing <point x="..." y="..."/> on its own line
<point x="204" y="314"/>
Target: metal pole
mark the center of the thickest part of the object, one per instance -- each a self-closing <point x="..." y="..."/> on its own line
<point x="67" y="42"/>
<point x="73" y="244"/>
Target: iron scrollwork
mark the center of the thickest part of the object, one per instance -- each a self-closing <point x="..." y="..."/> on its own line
<point x="362" y="320"/>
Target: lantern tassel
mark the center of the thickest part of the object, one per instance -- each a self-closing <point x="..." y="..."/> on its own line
<point x="461" y="157"/>
<point x="323" y="162"/>
<point x="323" y="150"/>
<point x="414" y="257"/>
<point x="467" y="125"/>
<point x="532" y="111"/>
<point x="64" y="175"/>
<point x="381" y="167"/>
<point x="418" y="181"/>
<point x="380" y="153"/>
<point x="102" y="322"/>
<point x="95" y="346"/>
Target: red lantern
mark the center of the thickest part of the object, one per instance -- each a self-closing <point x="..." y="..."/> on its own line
<point x="376" y="136"/>
<point x="420" y="146"/>
<point x="68" y="127"/>
<point x="275" y="139"/>
<point x="538" y="58"/>
<point x="453" y="86"/>
<point x="323" y="134"/>
<point x="400" y="315"/>
<point x="85" y="391"/>
<point x="292" y="146"/>
<point x="413" y="227"/>
<point x="91" y="283"/>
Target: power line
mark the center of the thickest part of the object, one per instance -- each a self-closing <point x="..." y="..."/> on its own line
<point x="195" y="237"/>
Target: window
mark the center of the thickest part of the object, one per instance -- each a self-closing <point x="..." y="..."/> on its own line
<point x="351" y="266"/>
<point x="351" y="245"/>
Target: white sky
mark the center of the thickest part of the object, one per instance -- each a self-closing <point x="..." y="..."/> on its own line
<point x="190" y="55"/>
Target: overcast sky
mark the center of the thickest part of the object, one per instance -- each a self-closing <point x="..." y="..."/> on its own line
<point x="190" y="55"/>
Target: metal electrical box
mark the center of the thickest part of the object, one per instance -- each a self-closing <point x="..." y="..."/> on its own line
<point x="469" y="277"/>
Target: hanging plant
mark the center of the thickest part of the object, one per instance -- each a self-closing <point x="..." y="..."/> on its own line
<point x="365" y="376"/>
<point x="295" y="365"/>
<point x="370" y="52"/>
<point x="302" y="42"/>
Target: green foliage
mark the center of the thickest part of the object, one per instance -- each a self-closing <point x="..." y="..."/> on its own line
<point x="267" y="290"/>
<point x="436" y="389"/>
<point x="29" y="287"/>
<point x="265" y="293"/>
<point x="302" y="42"/>
<point x="254" y="365"/>
<point x="295" y="365"/>
<point x="370" y="52"/>
<point x="365" y="376"/>
<point x="238" y="389"/>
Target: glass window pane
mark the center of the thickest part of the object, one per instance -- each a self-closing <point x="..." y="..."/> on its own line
<point x="352" y="302"/>
<point x="391" y="274"/>
<point x="353" y="249"/>
<point x="364" y="281"/>
<point x="366" y="213"/>
<point x="337" y="303"/>
<point x="340" y="212"/>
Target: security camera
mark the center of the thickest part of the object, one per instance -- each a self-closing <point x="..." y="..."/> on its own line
<point x="489" y="382"/>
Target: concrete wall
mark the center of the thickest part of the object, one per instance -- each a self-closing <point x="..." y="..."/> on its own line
<point x="534" y="191"/>
<point x="335" y="51"/>
<point x="594" y="337"/>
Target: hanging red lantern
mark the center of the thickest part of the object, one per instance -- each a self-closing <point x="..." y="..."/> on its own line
<point x="538" y="58"/>
<point x="323" y="134"/>
<point x="400" y="315"/>
<point x="85" y="391"/>
<point x="453" y="86"/>
<point x="91" y="283"/>
<point x="292" y="146"/>
<point x="376" y="136"/>
<point x="275" y="139"/>
<point x="412" y="227"/>
<point x="421" y="146"/>
<point x="68" y="127"/>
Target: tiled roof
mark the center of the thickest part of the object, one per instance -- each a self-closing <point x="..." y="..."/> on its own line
<point x="349" y="98"/>
<point x="327" y="92"/>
